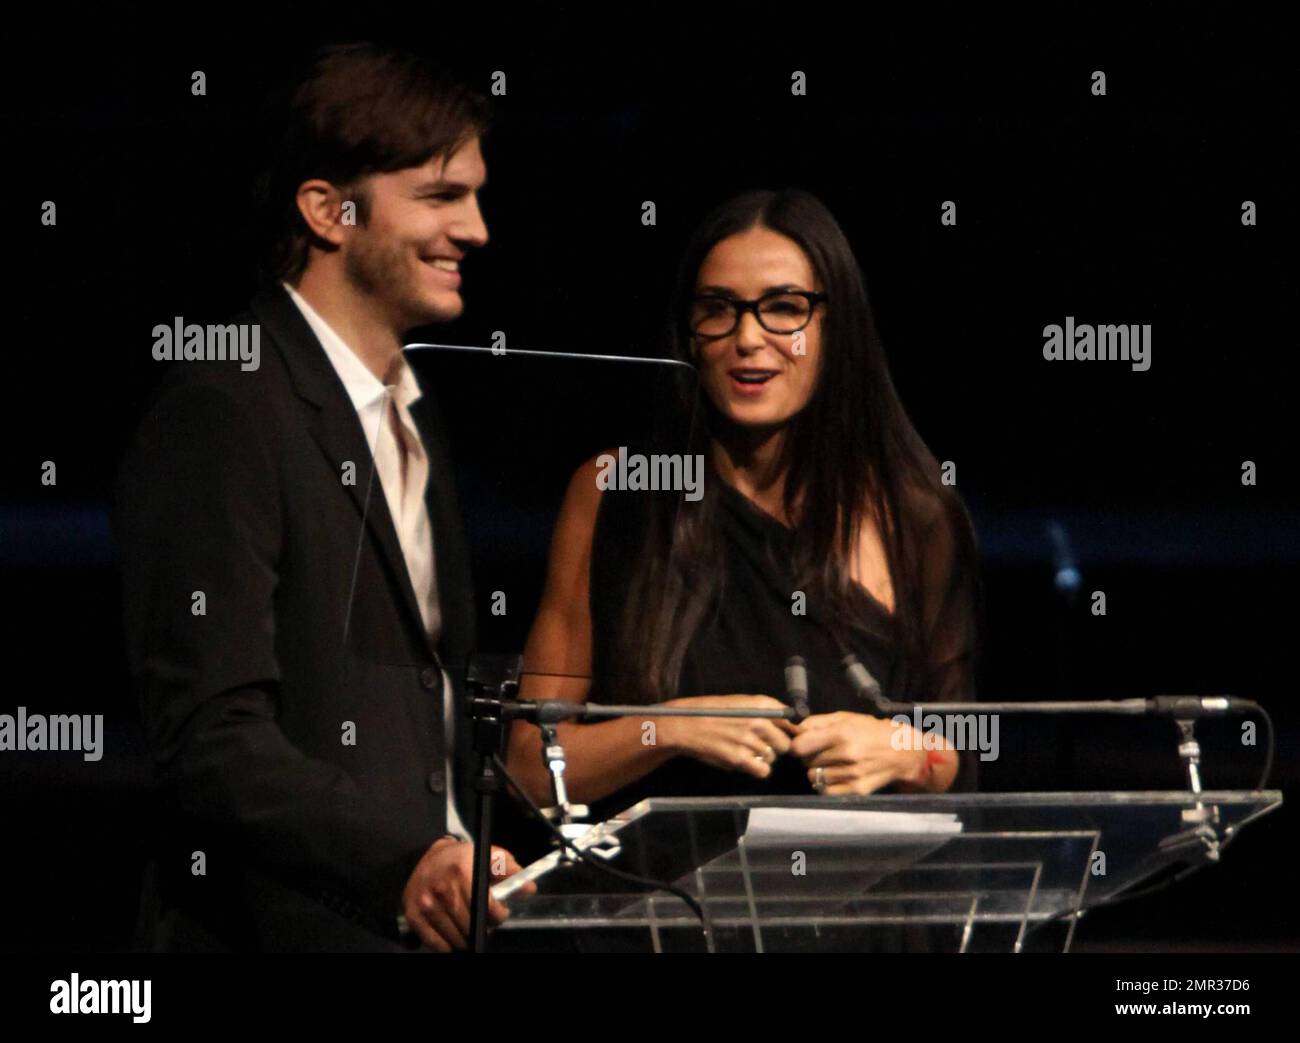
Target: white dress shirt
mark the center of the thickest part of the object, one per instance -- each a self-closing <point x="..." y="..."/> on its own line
<point x="369" y="397"/>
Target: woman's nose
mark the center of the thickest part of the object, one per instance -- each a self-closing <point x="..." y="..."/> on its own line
<point x="749" y="334"/>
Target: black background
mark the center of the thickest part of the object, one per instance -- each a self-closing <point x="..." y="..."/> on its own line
<point x="1122" y="209"/>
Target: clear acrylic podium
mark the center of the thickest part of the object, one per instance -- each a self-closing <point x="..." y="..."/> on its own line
<point x="1005" y="872"/>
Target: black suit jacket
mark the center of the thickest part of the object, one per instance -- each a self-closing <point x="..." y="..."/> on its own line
<point x="233" y="498"/>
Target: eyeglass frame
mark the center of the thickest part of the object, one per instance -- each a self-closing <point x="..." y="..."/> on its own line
<point x="740" y="307"/>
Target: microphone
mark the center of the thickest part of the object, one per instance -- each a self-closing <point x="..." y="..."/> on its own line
<point x="866" y="686"/>
<point x="796" y="685"/>
<point x="1191" y="706"/>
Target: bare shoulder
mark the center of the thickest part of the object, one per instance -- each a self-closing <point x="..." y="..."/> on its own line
<point x="582" y="498"/>
<point x="576" y="526"/>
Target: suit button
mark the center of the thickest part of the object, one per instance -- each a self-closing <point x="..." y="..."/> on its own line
<point x="437" y="780"/>
<point x="429" y="678"/>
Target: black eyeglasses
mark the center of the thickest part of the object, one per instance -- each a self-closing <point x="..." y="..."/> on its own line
<point x="781" y="311"/>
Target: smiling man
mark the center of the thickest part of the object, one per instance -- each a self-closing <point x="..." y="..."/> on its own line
<point x="298" y="602"/>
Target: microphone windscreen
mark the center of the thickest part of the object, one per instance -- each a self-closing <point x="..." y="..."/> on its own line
<point x="796" y="684"/>
<point x="861" y="680"/>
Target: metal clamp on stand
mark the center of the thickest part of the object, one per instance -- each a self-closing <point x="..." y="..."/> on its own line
<point x="493" y="682"/>
<point x="1203" y="817"/>
<point x="568" y="818"/>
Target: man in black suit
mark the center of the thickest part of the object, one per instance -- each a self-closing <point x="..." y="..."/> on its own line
<point x="298" y="602"/>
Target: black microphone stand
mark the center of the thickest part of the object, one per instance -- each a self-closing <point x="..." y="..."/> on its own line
<point x="1184" y="709"/>
<point x="493" y="681"/>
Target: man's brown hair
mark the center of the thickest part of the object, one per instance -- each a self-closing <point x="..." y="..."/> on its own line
<point x="361" y="109"/>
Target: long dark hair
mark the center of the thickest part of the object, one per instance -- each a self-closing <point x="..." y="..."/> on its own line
<point x="850" y="454"/>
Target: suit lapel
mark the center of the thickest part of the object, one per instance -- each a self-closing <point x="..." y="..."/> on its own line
<point x="336" y="428"/>
<point x="455" y="589"/>
<point x="451" y="558"/>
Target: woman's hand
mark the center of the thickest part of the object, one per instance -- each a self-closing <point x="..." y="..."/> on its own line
<point x="748" y="744"/>
<point x="854" y="753"/>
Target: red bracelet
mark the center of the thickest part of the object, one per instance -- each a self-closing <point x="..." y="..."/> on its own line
<point x="932" y="757"/>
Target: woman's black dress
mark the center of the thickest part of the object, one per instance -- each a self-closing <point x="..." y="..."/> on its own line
<point x="744" y="643"/>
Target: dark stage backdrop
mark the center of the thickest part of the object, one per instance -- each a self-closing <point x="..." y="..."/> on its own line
<point x="1125" y="208"/>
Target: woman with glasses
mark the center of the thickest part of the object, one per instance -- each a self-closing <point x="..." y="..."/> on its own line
<point x="824" y="529"/>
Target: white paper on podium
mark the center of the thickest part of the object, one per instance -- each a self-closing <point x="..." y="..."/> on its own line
<point x="835" y="825"/>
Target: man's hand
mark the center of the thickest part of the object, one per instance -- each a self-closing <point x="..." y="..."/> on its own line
<point x="858" y="754"/>
<point x="437" y="898"/>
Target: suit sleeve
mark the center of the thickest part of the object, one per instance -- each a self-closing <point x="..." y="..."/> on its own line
<point x="199" y="528"/>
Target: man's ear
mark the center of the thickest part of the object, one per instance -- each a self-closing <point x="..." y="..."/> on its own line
<point x="321" y="204"/>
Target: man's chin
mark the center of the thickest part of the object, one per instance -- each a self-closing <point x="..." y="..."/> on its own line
<point x="431" y="312"/>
